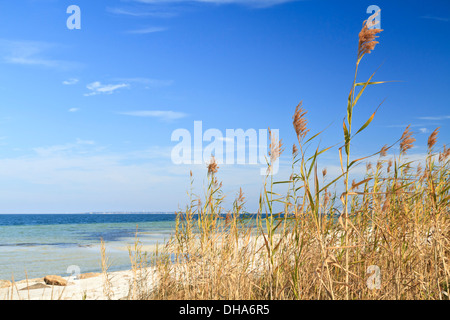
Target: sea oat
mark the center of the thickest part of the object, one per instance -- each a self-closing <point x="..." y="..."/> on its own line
<point x="383" y="151"/>
<point x="379" y="165"/>
<point x="275" y="148"/>
<point x="419" y="169"/>
<point x="444" y="154"/>
<point x="407" y="140"/>
<point x="406" y="168"/>
<point x="432" y="138"/>
<point x="387" y="203"/>
<point x="294" y="150"/>
<point x="367" y="40"/>
<point x="241" y="197"/>
<point x="300" y="122"/>
<point x="212" y="166"/>
<point x="326" y="197"/>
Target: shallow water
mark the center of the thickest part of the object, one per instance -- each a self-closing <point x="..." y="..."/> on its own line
<point x="37" y="245"/>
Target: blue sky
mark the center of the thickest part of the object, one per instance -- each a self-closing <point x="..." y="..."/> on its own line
<point x="87" y="115"/>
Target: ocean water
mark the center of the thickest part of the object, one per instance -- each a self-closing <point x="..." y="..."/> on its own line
<point x="36" y="245"/>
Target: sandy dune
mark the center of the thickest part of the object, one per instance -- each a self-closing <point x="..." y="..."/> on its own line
<point x="81" y="289"/>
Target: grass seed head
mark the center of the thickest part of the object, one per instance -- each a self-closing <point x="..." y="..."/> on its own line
<point x="367" y="41"/>
<point x="294" y="150"/>
<point x="275" y="148"/>
<point x="212" y="166"/>
<point x="432" y="138"/>
<point x="407" y="140"/>
<point x="383" y="151"/>
<point x="300" y="121"/>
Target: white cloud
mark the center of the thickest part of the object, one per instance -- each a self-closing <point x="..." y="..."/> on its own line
<point x="147" y="30"/>
<point x="436" y="118"/>
<point x="423" y="130"/>
<point x="404" y="125"/>
<point x="435" y="18"/>
<point x="70" y="81"/>
<point x="77" y="147"/>
<point x="253" y="3"/>
<point x="99" y="88"/>
<point x="74" y="109"/>
<point x="147" y="81"/>
<point x="162" y="115"/>
<point x="142" y="13"/>
<point x="32" y="53"/>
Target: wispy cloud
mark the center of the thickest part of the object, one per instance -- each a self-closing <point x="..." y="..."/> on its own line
<point x="147" y="30"/>
<point x="435" y="118"/>
<point x="162" y="115"/>
<point x="74" y="109"/>
<point x="404" y="125"/>
<point x="32" y="53"/>
<point x="55" y="150"/>
<point x="252" y="3"/>
<point x="143" y="13"/>
<point x="70" y="81"/>
<point x="148" y="82"/>
<point x="435" y="18"/>
<point x="99" y="88"/>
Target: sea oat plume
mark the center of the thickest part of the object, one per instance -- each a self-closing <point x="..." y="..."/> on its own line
<point x="294" y="150"/>
<point x="407" y="140"/>
<point x="383" y="151"/>
<point x="275" y="148"/>
<point x="326" y="197"/>
<point x="419" y="169"/>
<point x="389" y="165"/>
<point x="367" y="40"/>
<point x="432" y="138"/>
<point x="387" y="203"/>
<point x="300" y="122"/>
<point x="444" y="154"/>
<point x="241" y="197"/>
<point x="212" y="166"/>
<point x="379" y="165"/>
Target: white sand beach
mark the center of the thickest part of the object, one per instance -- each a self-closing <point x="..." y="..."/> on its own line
<point x="92" y="288"/>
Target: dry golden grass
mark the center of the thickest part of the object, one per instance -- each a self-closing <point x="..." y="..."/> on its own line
<point x="397" y="222"/>
<point x="385" y="237"/>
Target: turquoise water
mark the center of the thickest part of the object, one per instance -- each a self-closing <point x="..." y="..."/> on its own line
<point x="38" y="245"/>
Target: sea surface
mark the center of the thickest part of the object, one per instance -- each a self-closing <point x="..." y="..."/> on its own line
<point x="36" y="245"/>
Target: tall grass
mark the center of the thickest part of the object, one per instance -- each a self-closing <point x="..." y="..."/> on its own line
<point x="385" y="237"/>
